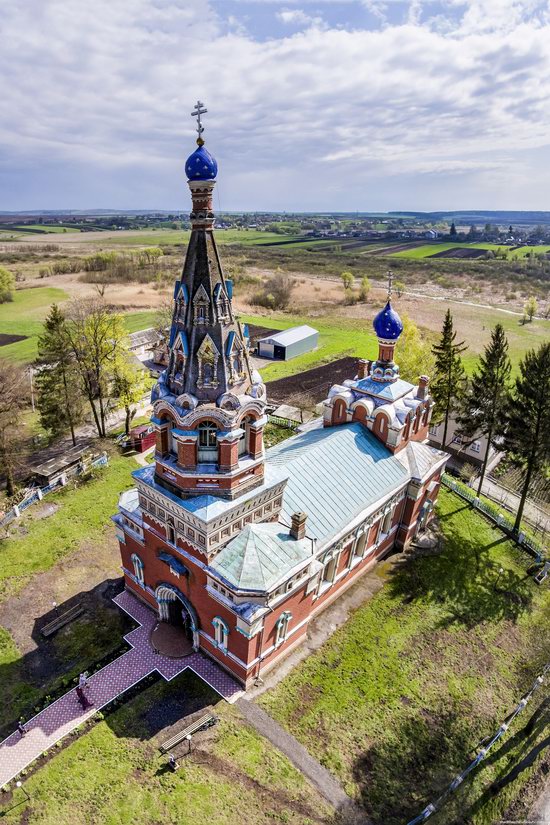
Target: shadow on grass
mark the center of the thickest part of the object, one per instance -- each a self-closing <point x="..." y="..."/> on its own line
<point x="400" y="774"/>
<point x="50" y="669"/>
<point x="465" y="581"/>
<point x="520" y="752"/>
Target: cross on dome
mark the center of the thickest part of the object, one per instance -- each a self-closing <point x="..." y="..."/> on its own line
<point x="197" y="112"/>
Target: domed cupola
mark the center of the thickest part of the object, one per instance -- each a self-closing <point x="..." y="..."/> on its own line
<point x="387" y="324"/>
<point x="201" y="165"/>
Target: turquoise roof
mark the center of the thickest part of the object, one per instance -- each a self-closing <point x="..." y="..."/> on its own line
<point x="334" y="474"/>
<point x="260" y="556"/>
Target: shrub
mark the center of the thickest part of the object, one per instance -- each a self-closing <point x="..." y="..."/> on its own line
<point x="7" y="285"/>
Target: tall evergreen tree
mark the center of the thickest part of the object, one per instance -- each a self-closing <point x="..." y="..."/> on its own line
<point x="527" y="432"/>
<point x="452" y="231"/>
<point x="57" y="380"/>
<point x="486" y="400"/>
<point x="448" y="383"/>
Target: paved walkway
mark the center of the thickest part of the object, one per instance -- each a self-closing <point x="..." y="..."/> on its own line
<point x="325" y="783"/>
<point x="61" y="717"/>
<point x="510" y="501"/>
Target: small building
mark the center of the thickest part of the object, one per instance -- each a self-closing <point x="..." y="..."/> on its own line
<point x="141" y="438"/>
<point x="70" y="462"/>
<point x="289" y="343"/>
<point x="462" y="451"/>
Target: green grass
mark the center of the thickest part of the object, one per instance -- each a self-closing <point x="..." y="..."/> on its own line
<point x="24" y="316"/>
<point x="399" y="697"/>
<point x="136" y="321"/>
<point x="83" y="514"/>
<point x="44" y="228"/>
<point x="114" y="775"/>
<point x="337" y="337"/>
<point x="162" y="237"/>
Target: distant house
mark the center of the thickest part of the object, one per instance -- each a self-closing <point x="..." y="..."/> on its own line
<point x="288" y="343"/>
<point x="431" y="234"/>
<point x="462" y="451"/>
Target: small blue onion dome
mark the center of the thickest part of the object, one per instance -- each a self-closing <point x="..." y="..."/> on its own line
<point x="201" y="165"/>
<point x="387" y="324"/>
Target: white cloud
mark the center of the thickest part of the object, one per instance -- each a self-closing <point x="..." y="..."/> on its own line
<point x="319" y="118"/>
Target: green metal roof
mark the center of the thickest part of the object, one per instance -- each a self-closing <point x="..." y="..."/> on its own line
<point x="334" y="474"/>
<point x="260" y="555"/>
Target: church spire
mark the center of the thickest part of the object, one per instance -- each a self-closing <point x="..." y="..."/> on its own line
<point x="208" y="388"/>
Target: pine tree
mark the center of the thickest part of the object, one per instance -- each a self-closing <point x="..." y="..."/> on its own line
<point x="452" y="231"/>
<point x="448" y="384"/>
<point x="527" y="431"/>
<point x="57" y="379"/>
<point x="486" y="400"/>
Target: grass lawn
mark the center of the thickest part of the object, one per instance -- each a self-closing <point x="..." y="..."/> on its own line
<point x="113" y="774"/>
<point x="83" y="513"/>
<point x="24" y="316"/>
<point x="338" y="337"/>
<point x="397" y="700"/>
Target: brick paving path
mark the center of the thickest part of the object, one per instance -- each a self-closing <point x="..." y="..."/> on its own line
<point x="65" y="714"/>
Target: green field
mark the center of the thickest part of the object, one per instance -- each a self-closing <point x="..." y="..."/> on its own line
<point x="397" y="700"/>
<point x="25" y="314"/>
<point x="45" y="229"/>
<point x="163" y="237"/>
<point x="338" y="337"/>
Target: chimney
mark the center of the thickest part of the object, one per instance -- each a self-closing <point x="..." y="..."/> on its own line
<point x="363" y="368"/>
<point x="298" y="526"/>
<point x="423" y="382"/>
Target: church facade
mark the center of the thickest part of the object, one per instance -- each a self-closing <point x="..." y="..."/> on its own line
<point x="240" y="547"/>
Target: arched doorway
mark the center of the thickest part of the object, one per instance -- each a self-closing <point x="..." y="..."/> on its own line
<point x="175" y="609"/>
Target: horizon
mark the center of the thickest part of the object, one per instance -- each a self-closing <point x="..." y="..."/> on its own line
<point x="348" y="106"/>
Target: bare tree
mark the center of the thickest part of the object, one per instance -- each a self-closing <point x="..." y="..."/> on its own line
<point x="12" y="399"/>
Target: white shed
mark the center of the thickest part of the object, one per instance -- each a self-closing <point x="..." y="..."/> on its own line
<point x="288" y="343"/>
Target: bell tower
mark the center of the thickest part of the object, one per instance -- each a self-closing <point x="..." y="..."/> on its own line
<point x="209" y="403"/>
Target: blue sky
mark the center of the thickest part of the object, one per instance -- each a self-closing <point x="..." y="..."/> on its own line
<point x="313" y="105"/>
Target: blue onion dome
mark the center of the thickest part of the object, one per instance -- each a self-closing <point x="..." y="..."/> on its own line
<point x="201" y="165"/>
<point x="387" y="324"/>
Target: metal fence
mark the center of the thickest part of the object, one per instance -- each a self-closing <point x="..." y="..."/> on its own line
<point x="34" y="494"/>
<point x="283" y="422"/>
<point x="498" y="518"/>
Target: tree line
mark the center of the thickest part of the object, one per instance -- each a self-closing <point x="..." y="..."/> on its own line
<point x="512" y="415"/>
<point x="83" y="364"/>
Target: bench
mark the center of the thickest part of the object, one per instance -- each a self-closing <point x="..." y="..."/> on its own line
<point x="61" y="620"/>
<point x="202" y="723"/>
<point x="543" y="573"/>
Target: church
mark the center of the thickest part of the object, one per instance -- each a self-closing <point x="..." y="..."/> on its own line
<point x="235" y="547"/>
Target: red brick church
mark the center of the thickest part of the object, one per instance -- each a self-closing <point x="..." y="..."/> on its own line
<point x="240" y="547"/>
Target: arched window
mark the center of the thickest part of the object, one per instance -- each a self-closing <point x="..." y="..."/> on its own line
<point x="170" y="531"/>
<point x="244" y="440"/>
<point x="138" y="568"/>
<point x="221" y="632"/>
<point x="208" y="443"/>
<point x="281" y="628"/>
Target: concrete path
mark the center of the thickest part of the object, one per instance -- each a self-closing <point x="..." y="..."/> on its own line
<point x="64" y="715"/>
<point x="510" y="501"/>
<point x="325" y="783"/>
<point x="540" y="812"/>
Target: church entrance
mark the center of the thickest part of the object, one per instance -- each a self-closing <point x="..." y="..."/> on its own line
<point x="176" y="634"/>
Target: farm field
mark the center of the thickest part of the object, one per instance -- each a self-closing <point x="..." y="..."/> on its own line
<point x="45" y="229"/>
<point x="113" y="773"/>
<point x="397" y="700"/>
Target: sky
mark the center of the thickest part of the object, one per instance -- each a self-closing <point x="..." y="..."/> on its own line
<point x="313" y="105"/>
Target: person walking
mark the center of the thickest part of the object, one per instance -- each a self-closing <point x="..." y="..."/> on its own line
<point x="21" y="728"/>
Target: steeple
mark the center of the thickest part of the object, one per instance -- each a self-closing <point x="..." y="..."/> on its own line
<point x="208" y="371"/>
